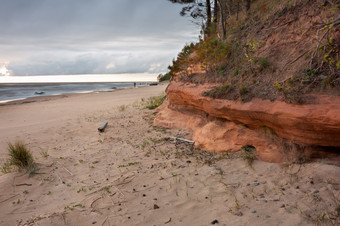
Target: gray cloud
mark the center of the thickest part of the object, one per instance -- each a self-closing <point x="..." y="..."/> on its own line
<point x="91" y="36"/>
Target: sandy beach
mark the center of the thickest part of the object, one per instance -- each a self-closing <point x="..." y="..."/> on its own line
<point x="136" y="174"/>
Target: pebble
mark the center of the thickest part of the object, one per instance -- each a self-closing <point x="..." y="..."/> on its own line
<point x="240" y="214"/>
<point x="144" y="195"/>
<point x="316" y="191"/>
<point x="94" y="222"/>
<point x="254" y="211"/>
<point x="214" y="222"/>
<point x="155" y="206"/>
<point x="256" y="184"/>
<point x="283" y="206"/>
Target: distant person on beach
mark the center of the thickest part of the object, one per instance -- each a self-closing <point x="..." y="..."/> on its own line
<point x="134" y="84"/>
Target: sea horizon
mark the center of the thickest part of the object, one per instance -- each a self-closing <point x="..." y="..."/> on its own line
<point x="22" y="87"/>
<point x="78" y="78"/>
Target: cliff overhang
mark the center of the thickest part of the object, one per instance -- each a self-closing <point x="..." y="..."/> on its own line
<point x="279" y="131"/>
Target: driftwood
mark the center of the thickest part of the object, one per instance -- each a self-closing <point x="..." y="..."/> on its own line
<point x="182" y="140"/>
<point x="23" y="184"/>
<point x="103" y="126"/>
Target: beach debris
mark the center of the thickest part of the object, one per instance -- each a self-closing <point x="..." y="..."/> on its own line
<point x="239" y="213"/>
<point x="23" y="184"/>
<point x="102" y="127"/>
<point x="214" y="222"/>
<point x="186" y="141"/>
<point x="155" y="206"/>
<point x="168" y="221"/>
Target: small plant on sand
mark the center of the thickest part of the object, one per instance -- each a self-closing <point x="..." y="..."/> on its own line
<point x="107" y="189"/>
<point x="248" y="154"/>
<point x="129" y="164"/>
<point x="122" y="108"/>
<point x="44" y="154"/>
<point x="20" y="156"/>
<point x="6" y="167"/>
<point x="154" y="102"/>
<point x="338" y="210"/>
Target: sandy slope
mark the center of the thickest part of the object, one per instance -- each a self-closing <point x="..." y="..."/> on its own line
<point x="132" y="174"/>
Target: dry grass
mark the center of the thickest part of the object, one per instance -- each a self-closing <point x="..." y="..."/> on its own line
<point x="20" y="156"/>
<point x="154" y="102"/>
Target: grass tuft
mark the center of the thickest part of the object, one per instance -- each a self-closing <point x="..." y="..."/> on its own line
<point x="154" y="102"/>
<point x="20" y="156"/>
<point x="249" y="154"/>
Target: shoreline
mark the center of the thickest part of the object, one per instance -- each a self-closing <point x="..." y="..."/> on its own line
<point x="37" y="97"/>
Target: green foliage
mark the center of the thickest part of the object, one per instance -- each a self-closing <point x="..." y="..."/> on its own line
<point x="219" y="91"/>
<point x="250" y="48"/>
<point x="129" y="164"/>
<point x="243" y="89"/>
<point x="310" y="72"/>
<point x="165" y="77"/>
<point x="20" y="156"/>
<point x="278" y="86"/>
<point x="262" y="63"/>
<point x="183" y="59"/>
<point x="212" y="53"/>
<point x="154" y="102"/>
<point x="236" y="72"/>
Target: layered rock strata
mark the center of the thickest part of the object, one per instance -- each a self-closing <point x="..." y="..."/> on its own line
<point x="279" y="131"/>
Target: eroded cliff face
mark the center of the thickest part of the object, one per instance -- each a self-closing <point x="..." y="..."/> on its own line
<point x="279" y="131"/>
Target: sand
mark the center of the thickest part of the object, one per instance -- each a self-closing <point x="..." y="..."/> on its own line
<point x="136" y="174"/>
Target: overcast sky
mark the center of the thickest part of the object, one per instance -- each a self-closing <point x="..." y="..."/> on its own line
<point x="42" y="37"/>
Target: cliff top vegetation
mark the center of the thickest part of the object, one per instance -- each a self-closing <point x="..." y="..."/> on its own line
<point x="282" y="49"/>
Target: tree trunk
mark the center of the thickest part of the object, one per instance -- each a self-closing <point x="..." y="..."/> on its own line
<point x="215" y="11"/>
<point x="247" y="5"/>
<point x="222" y="18"/>
<point x="208" y="5"/>
<point x="238" y="8"/>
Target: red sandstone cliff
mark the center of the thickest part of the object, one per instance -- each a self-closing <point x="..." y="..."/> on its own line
<point x="222" y="125"/>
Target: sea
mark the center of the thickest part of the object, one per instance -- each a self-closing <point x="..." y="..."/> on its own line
<point x="22" y="87"/>
<point x="10" y="92"/>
